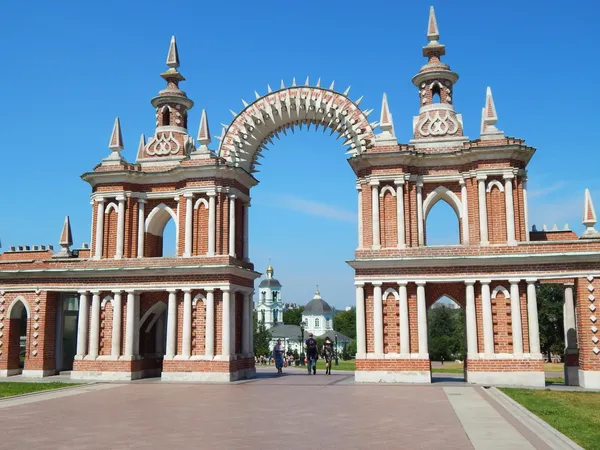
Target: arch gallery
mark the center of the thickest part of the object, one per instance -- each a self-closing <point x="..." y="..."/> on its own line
<point x="118" y="311"/>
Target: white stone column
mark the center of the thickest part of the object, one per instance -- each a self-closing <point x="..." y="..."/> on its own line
<point x="136" y="324"/>
<point x="532" y="315"/>
<point x="172" y="324"/>
<point x="212" y="223"/>
<point x="189" y="217"/>
<point x="95" y="326"/>
<point x="420" y="232"/>
<point x="569" y="320"/>
<point x="515" y="315"/>
<point x="422" y="319"/>
<point x="186" y="342"/>
<point x="177" y="233"/>
<point x="251" y="325"/>
<point x="376" y="232"/>
<point x="82" y="325"/>
<point x="465" y="212"/>
<point x="246" y="232"/>
<point x="141" y="228"/>
<point x="488" y="324"/>
<point x="483" y="225"/>
<point x="226" y="324"/>
<point x="510" y="209"/>
<point x="361" y="336"/>
<point x="360" y="216"/>
<point x="246" y="311"/>
<point x="120" y="228"/>
<point x="233" y="323"/>
<point x="400" y="213"/>
<point x="404" y="321"/>
<point x="525" y="208"/>
<point x="378" y="318"/>
<point x="471" y="314"/>
<point x="99" y="228"/>
<point x="117" y="303"/>
<point x="232" y="225"/>
<point x="130" y="329"/>
<point x="209" y="337"/>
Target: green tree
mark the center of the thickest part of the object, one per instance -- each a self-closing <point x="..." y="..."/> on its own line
<point x="345" y="322"/>
<point x="550" y="299"/>
<point x="351" y="348"/>
<point x="262" y="337"/>
<point x="446" y="333"/>
<point x="293" y="316"/>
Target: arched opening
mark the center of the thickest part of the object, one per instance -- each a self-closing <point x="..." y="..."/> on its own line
<point x="447" y="337"/>
<point x="166" y="116"/>
<point x="161" y="232"/>
<point x="18" y="344"/>
<point x="436" y="94"/>
<point x="152" y="338"/>
<point x="442" y="226"/>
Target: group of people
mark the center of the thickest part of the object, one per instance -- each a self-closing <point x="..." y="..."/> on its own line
<point x="312" y="355"/>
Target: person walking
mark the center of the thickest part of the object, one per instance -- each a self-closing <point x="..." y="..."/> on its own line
<point x="328" y="354"/>
<point x="278" y="351"/>
<point x="312" y="354"/>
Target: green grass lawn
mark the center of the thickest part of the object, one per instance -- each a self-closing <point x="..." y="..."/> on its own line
<point x="447" y="370"/>
<point x="344" y="365"/>
<point x="555" y="380"/>
<point x="575" y="414"/>
<point x="9" y="388"/>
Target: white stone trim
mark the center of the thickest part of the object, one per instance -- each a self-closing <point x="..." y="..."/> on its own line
<point x="157" y="309"/>
<point x="442" y="193"/>
<point x="200" y="201"/>
<point x="106" y="376"/>
<point x="10" y="372"/>
<point x="211" y="377"/>
<point x="156" y="211"/>
<point x="502" y="289"/>
<point x="389" y="291"/>
<point x="536" y="379"/>
<point x="27" y="373"/>
<point x="589" y="379"/>
<point x="198" y="297"/>
<point x="385" y="189"/>
<point x="383" y="376"/>
<point x="105" y="300"/>
<point x="111" y="206"/>
<point x="493" y="183"/>
<point x="21" y="299"/>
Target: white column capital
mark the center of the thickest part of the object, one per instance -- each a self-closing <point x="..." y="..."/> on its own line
<point x="141" y="200"/>
<point x="209" y="289"/>
<point x="481" y="177"/>
<point x="374" y="183"/>
<point x="232" y="196"/>
<point x="172" y="290"/>
<point x="508" y="176"/>
<point x="569" y="284"/>
<point x="470" y="282"/>
<point x="95" y="292"/>
<point x="419" y="183"/>
<point x="514" y="280"/>
<point x="402" y="283"/>
<point x="117" y="291"/>
<point x="462" y="182"/>
<point x="225" y="289"/>
<point x="84" y="292"/>
<point x="531" y="280"/>
<point x="359" y="283"/>
<point x="99" y="200"/>
<point x="131" y="291"/>
<point x="420" y="283"/>
<point x="359" y="187"/>
<point x="211" y="193"/>
<point x="188" y="194"/>
<point x="486" y="282"/>
<point x="120" y="198"/>
<point x="185" y="290"/>
<point x="377" y="283"/>
<point x="399" y="181"/>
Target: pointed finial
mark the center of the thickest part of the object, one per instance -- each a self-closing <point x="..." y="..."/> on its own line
<point x="269" y="90"/>
<point x="307" y="82"/>
<point x="203" y="131"/>
<point x="489" y="117"/>
<point x="385" y="122"/>
<point x="116" y="139"/>
<point x="589" y="217"/>
<point x="433" y="33"/>
<point x="347" y="91"/>
<point x="66" y="240"/>
<point x="282" y="85"/>
<point x="294" y="82"/>
<point x="332" y="85"/>
<point x="317" y="293"/>
<point x="173" y="55"/>
<point x="318" y="83"/>
<point x="141" y="146"/>
<point x="245" y="103"/>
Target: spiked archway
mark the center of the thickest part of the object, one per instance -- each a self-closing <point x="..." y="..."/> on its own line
<point x="279" y="111"/>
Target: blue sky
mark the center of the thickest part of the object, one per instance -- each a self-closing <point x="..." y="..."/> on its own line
<point x="68" y="71"/>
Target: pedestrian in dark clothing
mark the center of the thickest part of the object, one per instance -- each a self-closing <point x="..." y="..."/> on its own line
<point x="328" y="354"/>
<point x="312" y="354"/>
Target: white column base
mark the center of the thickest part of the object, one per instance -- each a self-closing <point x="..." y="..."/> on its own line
<point x="10" y="372"/>
<point x="507" y="378"/>
<point x="38" y="373"/>
<point x="384" y="376"/>
<point x="107" y="376"/>
<point x="572" y="375"/>
<point x="589" y="379"/>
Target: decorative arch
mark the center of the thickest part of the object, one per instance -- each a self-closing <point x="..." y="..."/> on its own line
<point x="157" y="309"/>
<point x="500" y="289"/>
<point x="112" y="206"/>
<point x="198" y="297"/>
<point x="105" y="300"/>
<point x="158" y="218"/>
<point x="201" y="201"/>
<point x="389" y="291"/>
<point x="443" y="193"/>
<point x="165" y="116"/>
<point x="496" y="183"/>
<point x="281" y="110"/>
<point x="15" y="309"/>
<point x="389" y="189"/>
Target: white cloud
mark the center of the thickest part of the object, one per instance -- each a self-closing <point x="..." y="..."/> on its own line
<point x="314" y="208"/>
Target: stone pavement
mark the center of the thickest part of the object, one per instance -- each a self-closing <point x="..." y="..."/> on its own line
<point x="292" y="410"/>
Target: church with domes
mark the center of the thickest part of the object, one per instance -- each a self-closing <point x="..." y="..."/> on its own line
<point x="318" y="315"/>
<point x="269" y="307"/>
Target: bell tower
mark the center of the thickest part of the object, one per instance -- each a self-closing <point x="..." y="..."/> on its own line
<point x="437" y="121"/>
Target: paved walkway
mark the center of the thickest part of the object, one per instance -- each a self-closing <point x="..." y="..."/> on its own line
<point x="292" y="410"/>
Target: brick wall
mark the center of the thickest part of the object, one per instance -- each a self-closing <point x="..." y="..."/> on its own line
<point x="588" y="359"/>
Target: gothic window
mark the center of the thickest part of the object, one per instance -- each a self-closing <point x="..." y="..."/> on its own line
<point x="264" y="295"/>
<point x="316" y="323"/>
<point x="275" y="316"/>
<point x="275" y="295"/>
<point x="166" y="116"/>
<point x="262" y="314"/>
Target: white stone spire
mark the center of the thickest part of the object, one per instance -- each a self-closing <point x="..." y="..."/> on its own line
<point x="66" y="240"/>
<point x="204" y="132"/>
<point x="386" y="124"/>
<point x="173" y="55"/>
<point x="141" y="147"/>
<point x="489" y="118"/>
<point x="589" y="217"/>
<point x="115" y="144"/>
<point x="433" y="33"/>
